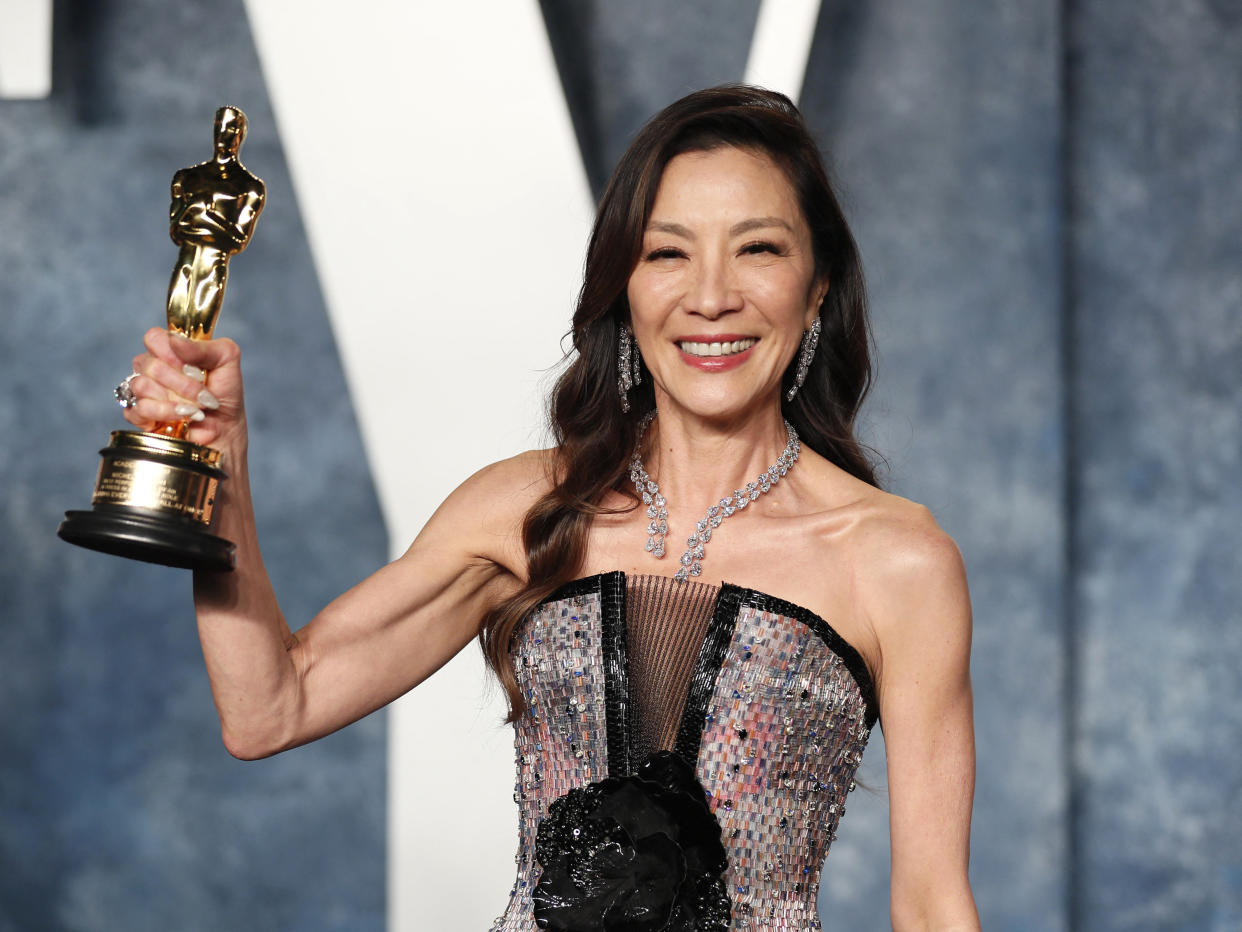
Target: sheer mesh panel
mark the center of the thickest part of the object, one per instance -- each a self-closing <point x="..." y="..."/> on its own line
<point x="666" y="623"/>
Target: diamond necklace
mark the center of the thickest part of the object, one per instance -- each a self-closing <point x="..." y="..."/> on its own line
<point x="657" y="510"/>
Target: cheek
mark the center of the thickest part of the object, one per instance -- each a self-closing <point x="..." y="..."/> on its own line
<point x="649" y="295"/>
<point x="784" y="298"/>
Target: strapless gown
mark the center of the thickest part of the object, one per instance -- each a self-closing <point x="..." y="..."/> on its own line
<point x="770" y="704"/>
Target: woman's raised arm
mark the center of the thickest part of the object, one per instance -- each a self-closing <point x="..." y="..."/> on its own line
<point x="275" y="689"/>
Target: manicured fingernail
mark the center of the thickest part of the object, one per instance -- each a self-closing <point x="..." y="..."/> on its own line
<point x="185" y="409"/>
<point x="194" y="372"/>
<point x="208" y="400"/>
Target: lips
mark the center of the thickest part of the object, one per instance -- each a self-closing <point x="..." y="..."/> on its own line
<point x="716" y="352"/>
<point x="703" y="348"/>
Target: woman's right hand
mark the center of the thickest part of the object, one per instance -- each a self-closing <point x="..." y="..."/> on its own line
<point x="199" y="380"/>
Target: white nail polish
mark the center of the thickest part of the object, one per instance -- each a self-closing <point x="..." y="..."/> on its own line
<point x="194" y="372"/>
<point x="197" y="416"/>
<point x="208" y="400"/>
<point x="185" y="409"/>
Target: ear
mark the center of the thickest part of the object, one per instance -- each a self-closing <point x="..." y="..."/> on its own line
<point x="819" y="291"/>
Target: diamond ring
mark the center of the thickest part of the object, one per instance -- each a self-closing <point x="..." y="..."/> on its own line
<point x="125" y="396"/>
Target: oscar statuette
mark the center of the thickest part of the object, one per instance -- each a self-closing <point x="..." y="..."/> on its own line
<point x="156" y="491"/>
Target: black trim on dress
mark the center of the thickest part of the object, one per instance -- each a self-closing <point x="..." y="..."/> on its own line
<point x="706" y="669"/>
<point x="615" y="656"/>
<point x="587" y="585"/>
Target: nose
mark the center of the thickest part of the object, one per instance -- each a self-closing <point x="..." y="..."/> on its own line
<point x="713" y="292"/>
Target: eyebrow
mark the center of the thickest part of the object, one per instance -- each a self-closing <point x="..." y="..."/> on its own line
<point x="758" y="223"/>
<point x="664" y="226"/>
<point x="742" y="226"/>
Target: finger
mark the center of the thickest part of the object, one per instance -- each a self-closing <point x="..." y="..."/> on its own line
<point x="159" y="380"/>
<point x="158" y="344"/>
<point x="186" y="411"/>
<point x="134" y="415"/>
<point x="148" y="412"/>
<point x="179" y="351"/>
<point x="155" y="402"/>
<point x="204" y="354"/>
<point x="145" y="362"/>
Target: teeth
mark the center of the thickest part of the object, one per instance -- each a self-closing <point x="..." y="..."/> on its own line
<point x="717" y="349"/>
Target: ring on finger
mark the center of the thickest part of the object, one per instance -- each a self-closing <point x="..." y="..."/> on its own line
<point x="124" y="392"/>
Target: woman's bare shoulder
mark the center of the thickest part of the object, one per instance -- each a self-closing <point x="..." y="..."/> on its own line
<point x="482" y="518"/>
<point x="884" y="531"/>
<point x="908" y="572"/>
<point x="530" y="473"/>
<point x="897" y="536"/>
<point x="505" y="490"/>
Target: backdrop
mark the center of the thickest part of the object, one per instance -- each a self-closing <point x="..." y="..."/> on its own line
<point x="1046" y="198"/>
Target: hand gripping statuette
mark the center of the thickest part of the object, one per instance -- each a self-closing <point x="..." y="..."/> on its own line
<point x="156" y="491"/>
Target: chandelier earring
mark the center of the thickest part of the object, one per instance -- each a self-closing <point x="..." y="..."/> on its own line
<point x="627" y="366"/>
<point x="806" y="352"/>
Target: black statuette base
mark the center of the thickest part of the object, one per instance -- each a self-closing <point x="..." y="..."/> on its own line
<point x="151" y="538"/>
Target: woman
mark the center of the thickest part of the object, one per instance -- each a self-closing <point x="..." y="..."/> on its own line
<point x="684" y="750"/>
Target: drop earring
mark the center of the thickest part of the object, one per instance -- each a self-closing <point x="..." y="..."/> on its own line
<point x="626" y="366"/>
<point x="806" y="352"/>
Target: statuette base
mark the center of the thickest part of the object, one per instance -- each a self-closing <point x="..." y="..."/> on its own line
<point x="154" y="500"/>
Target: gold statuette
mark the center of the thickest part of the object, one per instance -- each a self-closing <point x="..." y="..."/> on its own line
<point x="155" y="493"/>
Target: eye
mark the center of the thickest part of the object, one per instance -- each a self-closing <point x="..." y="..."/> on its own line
<point x="665" y="252"/>
<point x="762" y="246"/>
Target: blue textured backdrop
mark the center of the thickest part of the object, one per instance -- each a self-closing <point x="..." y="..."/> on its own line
<point x="1156" y="122"/>
<point x="1046" y="195"/>
<point x="119" y="808"/>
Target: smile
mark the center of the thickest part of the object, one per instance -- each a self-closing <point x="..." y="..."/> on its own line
<point x="717" y="349"/>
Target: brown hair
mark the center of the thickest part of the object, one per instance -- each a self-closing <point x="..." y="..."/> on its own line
<point x="594" y="438"/>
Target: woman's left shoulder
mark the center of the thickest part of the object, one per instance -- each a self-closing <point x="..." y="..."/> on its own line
<point x="899" y="539"/>
<point x="908" y="573"/>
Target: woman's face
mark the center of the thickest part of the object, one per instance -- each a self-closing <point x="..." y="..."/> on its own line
<point x="725" y="283"/>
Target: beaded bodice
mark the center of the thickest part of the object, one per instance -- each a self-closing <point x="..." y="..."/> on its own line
<point x="771" y="705"/>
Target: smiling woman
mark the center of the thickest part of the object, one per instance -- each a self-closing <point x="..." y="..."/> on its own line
<point x="726" y="283"/>
<point x="684" y="750"/>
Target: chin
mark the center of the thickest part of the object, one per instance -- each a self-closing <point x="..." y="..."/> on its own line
<point x="716" y="407"/>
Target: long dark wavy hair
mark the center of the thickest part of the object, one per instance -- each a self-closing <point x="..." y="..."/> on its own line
<point x="594" y="439"/>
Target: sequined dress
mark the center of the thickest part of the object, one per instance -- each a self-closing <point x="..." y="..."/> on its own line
<point x="771" y="704"/>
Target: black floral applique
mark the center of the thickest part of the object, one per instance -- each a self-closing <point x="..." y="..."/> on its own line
<point x="633" y="854"/>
